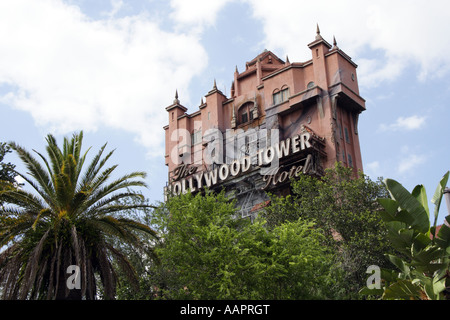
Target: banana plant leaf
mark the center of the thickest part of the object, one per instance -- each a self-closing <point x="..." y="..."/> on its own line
<point x="418" y="216"/>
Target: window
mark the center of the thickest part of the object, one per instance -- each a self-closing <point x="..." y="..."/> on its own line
<point x="339" y="129"/>
<point x="347" y="138"/>
<point x="280" y="96"/>
<point x="244" y="117"/>
<point x="350" y="161"/>
<point x="245" y="113"/>
<point x="196" y="137"/>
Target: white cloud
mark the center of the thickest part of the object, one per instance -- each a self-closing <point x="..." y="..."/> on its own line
<point x="409" y="159"/>
<point x="116" y="5"/>
<point x="398" y="33"/>
<point x="410" y="162"/>
<point x="373" y="167"/>
<point x="71" y="72"/>
<point x="409" y="123"/>
<point x="196" y="14"/>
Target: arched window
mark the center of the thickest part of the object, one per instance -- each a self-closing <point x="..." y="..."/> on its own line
<point x="280" y="96"/>
<point x="245" y="112"/>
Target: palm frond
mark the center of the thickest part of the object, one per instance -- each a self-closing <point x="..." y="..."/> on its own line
<point x="107" y="273"/>
<point x="125" y="265"/>
<point x="98" y="180"/>
<point x="123" y="182"/>
<point x="10" y="271"/>
<point x="15" y="227"/>
<point x="109" y="226"/>
<point x="138" y="226"/>
<point x="23" y="199"/>
<point x="48" y="198"/>
<point x="55" y="154"/>
<point x="35" y="168"/>
<point x="96" y="165"/>
<point x="109" y="209"/>
<point x="116" y="198"/>
<point x="32" y="267"/>
<point x="80" y="164"/>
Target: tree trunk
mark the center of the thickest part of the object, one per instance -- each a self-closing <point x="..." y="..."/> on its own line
<point x="63" y="292"/>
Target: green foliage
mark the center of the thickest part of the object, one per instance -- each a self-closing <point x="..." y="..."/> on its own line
<point x="424" y="259"/>
<point x="71" y="217"/>
<point x="345" y="208"/>
<point x="6" y="169"/>
<point x="207" y="254"/>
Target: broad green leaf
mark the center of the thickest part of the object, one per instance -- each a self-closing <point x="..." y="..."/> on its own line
<point x="396" y="226"/>
<point x="389" y="205"/>
<point x="427" y="256"/>
<point x="440" y="188"/>
<point x="428" y="288"/>
<point x="370" y="292"/>
<point x="402" y="289"/>
<point x="421" y="241"/>
<point x="438" y="285"/>
<point x="418" y="214"/>
<point x="388" y="275"/>
<point x="420" y="194"/>
<point x="433" y="287"/>
<point x="437" y="197"/>
<point x="405" y="216"/>
<point x="443" y="236"/>
<point x="386" y="216"/>
<point x="399" y="263"/>
<point x="400" y="238"/>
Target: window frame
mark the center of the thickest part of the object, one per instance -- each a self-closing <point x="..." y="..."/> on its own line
<point x="196" y="137"/>
<point x="246" y="109"/>
<point x="280" y="96"/>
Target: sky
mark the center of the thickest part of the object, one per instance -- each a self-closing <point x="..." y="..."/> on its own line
<point x="110" y="67"/>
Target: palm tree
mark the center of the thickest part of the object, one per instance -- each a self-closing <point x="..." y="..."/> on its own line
<point x="72" y="217"/>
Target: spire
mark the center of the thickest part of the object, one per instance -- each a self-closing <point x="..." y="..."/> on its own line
<point x="214" y="89"/>
<point x="236" y="70"/>
<point x="287" y="59"/>
<point x="318" y="36"/>
<point x="176" y="101"/>
<point x="319" y="39"/>
<point x="334" y="43"/>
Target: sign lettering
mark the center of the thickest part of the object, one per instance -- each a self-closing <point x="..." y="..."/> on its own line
<point x="186" y="177"/>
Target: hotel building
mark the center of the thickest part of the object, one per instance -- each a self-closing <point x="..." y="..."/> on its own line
<point x="280" y="120"/>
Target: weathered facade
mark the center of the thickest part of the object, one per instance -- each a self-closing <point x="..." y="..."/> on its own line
<point x="280" y="120"/>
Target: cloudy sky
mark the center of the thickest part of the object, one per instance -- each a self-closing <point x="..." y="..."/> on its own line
<point x="110" y="67"/>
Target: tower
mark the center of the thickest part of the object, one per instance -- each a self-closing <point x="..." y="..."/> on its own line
<point x="281" y="119"/>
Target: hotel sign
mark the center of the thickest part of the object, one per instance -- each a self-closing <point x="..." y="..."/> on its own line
<point x="186" y="177"/>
